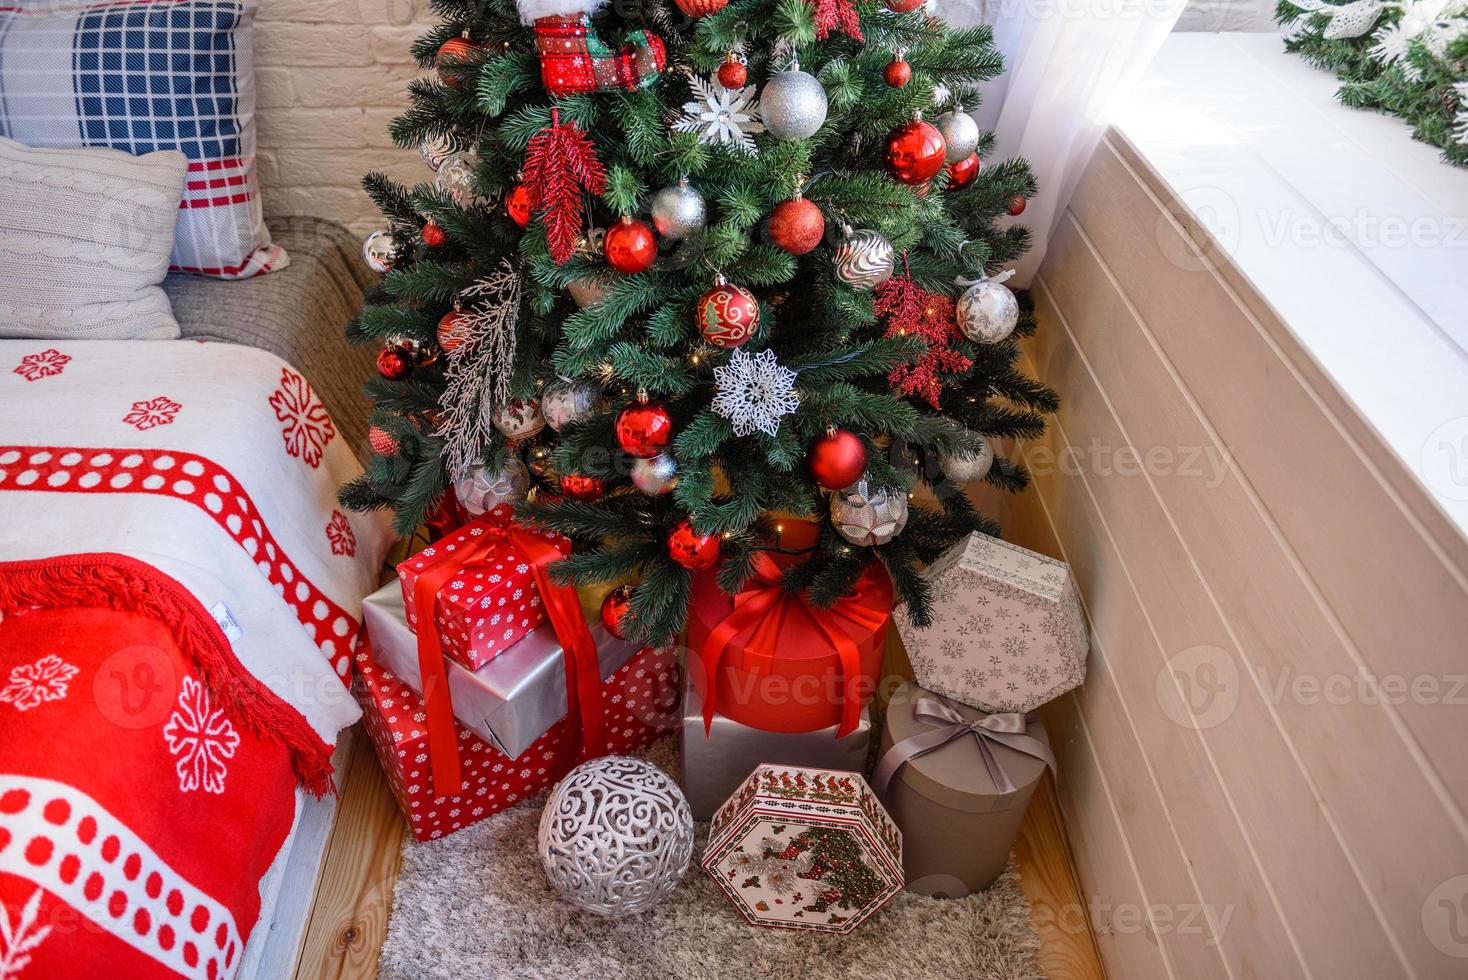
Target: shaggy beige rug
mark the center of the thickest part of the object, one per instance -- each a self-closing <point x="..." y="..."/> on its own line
<point x="477" y="905"/>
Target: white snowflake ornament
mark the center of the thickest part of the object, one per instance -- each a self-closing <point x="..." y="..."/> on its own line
<point x="722" y="115"/>
<point x="755" y="392"/>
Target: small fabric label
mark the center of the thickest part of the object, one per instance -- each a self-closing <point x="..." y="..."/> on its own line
<point x="228" y="625"/>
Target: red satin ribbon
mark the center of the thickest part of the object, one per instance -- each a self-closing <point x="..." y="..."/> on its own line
<point x="563" y="609"/>
<point x="764" y="604"/>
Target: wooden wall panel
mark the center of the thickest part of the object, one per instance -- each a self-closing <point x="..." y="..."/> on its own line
<point x="1318" y="824"/>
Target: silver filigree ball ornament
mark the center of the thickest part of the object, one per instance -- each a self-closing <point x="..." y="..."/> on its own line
<point x="655" y="476"/>
<point x="381" y="251"/>
<point x="868" y="516"/>
<point x="518" y="419"/>
<point x="968" y="467"/>
<point x="793" y="104"/>
<point x="864" y="260"/>
<point x="456" y="177"/>
<point x="569" y="401"/>
<point x="987" y="310"/>
<point x="479" y="490"/>
<point x="679" y="211"/>
<point x="960" y="134"/>
<point x="616" y="836"/>
<point x="436" y="149"/>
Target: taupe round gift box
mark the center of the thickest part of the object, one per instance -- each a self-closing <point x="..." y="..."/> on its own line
<point x="957" y="784"/>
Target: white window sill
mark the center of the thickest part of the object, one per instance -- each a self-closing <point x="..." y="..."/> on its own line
<point x="1355" y="234"/>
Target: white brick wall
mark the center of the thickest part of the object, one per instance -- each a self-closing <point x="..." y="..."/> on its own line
<point x="331" y="75"/>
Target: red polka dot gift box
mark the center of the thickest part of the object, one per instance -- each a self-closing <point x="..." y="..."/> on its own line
<point x="637" y="700"/>
<point x="490" y="601"/>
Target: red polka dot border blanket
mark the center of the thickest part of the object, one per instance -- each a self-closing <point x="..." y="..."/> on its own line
<point x="146" y="778"/>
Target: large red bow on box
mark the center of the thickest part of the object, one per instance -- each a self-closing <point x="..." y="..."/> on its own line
<point x="766" y="605"/>
<point x="563" y="609"/>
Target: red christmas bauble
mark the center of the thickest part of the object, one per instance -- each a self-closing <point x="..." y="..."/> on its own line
<point x="904" y="6"/>
<point x="916" y="152"/>
<point x="701" y="8"/>
<point x="797" y="226"/>
<point x="630" y="246"/>
<point x="394" y="363"/>
<point x="451" y="331"/>
<point x="433" y="235"/>
<point x="453" y="50"/>
<point x="1017" y="204"/>
<point x="897" y="73"/>
<point x="517" y="203"/>
<point x="614" y="609"/>
<point x="838" y="459"/>
<point x="962" y="173"/>
<point x="382" y="442"/>
<point x="728" y="315"/>
<point x="579" y="486"/>
<point x="691" y="550"/>
<point x="644" y="429"/>
<point x="733" y="73"/>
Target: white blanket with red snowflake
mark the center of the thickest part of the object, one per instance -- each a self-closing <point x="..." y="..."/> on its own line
<point x="217" y="465"/>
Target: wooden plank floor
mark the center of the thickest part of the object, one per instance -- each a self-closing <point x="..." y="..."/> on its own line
<point x="354" y="896"/>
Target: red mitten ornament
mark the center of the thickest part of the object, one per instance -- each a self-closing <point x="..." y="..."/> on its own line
<point x="574" y="60"/>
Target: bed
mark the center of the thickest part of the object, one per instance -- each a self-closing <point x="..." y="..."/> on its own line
<point x="170" y="506"/>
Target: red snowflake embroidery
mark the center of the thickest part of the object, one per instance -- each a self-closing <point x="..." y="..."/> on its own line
<point x="34" y="367"/>
<point x="154" y="411"/>
<point x="202" y="738"/>
<point x="307" y="426"/>
<point x="339" y="533"/>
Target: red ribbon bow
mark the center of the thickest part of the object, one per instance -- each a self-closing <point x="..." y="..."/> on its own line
<point x="764" y="603"/>
<point x="563" y="609"/>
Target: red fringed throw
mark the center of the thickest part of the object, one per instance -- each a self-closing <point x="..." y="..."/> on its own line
<point x="560" y="163"/>
<point x="146" y="778"/>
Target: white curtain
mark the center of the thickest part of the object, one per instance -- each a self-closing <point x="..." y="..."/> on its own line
<point x="1065" y="61"/>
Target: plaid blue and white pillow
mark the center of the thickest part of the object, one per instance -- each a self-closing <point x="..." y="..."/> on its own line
<point x="146" y="75"/>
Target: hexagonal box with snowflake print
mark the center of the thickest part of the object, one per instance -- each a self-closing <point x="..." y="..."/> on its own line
<point x="810" y="849"/>
<point x="1007" y="631"/>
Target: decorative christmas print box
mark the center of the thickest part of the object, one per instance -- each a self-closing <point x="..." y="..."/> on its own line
<point x="1007" y="632"/>
<point x="397" y="722"/>
<point x="798" y="848"/>
<point x="488" y="598"/>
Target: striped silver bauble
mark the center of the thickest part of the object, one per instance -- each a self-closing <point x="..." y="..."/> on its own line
<point x="960" y="134"/>
<point x="864" y="260"/>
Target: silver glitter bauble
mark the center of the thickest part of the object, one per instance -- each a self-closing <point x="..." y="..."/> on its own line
<point x="960" y="133"/>
<point x="864" y="260"/>
<point x="569" y="401"/>
<point x="480" y="490"/>
<point x="678" y="211"/>
<point x="518" y="420"/>
<point x="586" y="292"/>
<point x="655" y="476"/>
<point x="968" y="467"/>
<point x="868" y="517"/>
<point x="987" y="311"/>
<point x="436" y="149"/>
<point x="456" y="177"/>
<point x="793" y="105"/>
<point x="381" y="251"/>
<point x="616" y="836"/>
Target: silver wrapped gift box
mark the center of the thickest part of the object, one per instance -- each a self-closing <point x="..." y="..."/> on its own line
<point x="715" y="764"/>
<point x="510" y="701"/>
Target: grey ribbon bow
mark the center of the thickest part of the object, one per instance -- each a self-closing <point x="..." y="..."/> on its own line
<point x="1006" y="728"/>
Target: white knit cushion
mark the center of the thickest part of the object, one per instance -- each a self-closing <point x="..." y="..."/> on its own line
<point x="84" y="242"/>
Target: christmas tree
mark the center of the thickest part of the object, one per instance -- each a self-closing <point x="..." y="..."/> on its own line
<point x="685" y="272"/>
